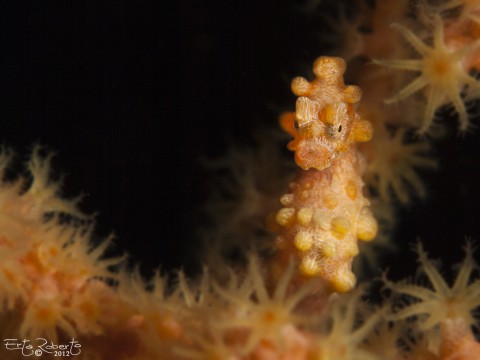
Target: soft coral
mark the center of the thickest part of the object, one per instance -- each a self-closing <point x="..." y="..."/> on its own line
<point x="448" y="309"/>
<point x="442" y="302"/>
<point x="441" y="74"/>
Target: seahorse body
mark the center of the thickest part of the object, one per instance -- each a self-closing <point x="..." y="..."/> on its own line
<point x="325" y="212"/>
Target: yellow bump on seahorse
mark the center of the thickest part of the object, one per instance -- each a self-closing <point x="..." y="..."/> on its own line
<point x="325" y="212"/>
<point x="303" y="240"/>
<point x="285" y="215"/>
<point x="304" y="216"/>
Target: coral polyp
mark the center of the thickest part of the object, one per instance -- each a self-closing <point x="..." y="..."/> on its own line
<point x="442" y="74"/>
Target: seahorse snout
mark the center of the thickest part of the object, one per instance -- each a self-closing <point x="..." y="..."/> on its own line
<point x="314" y="153"/>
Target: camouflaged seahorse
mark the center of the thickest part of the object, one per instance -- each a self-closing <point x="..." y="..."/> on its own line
<point x="324" y="212"/>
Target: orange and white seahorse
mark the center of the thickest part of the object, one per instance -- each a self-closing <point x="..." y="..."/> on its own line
<point x="324" y="212"/>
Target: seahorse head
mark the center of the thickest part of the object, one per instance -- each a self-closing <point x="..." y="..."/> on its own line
<point x="325" y="122"/>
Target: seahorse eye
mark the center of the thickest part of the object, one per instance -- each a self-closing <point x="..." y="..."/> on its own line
<point x="340" y="128"/>
<point x="295" y="124"/>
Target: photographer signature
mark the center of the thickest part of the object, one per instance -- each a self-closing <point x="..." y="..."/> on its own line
<point x="42" y="345"/>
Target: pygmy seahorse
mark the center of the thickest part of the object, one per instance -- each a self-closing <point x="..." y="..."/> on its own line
<point x="325" y="211"/>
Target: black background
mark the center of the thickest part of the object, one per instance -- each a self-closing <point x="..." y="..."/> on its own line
<point x="132" y="94"/>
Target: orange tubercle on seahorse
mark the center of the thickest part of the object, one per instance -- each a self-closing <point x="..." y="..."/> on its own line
<point x="325" y="213"/>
